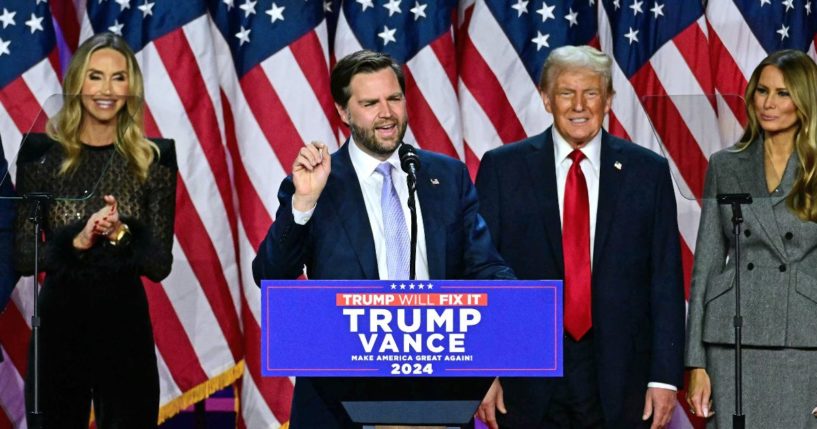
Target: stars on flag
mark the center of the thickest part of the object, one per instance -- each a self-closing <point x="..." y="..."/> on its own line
<point x="7" y="18"/>
<point x="123" y="4"/>
<point x="632" y="35"/>
<point x="393" y="6"/>
<point x="541" y="40"/>
<point x="248" y="7"/>
<point x="572" y="17"/>
<point x="789" y="4"/>
<point x="521" y="7"/>
<point x="116" y="28"/>
<point x="4" y="47"/>
<point x="35" y="23"/>
<point x="387" y="35"/>
<point x="657" y="9"/>
<point x="783" y="32"/>
<point x="636" y="7"/>
<point x="276" y="13"/>
<point x="419" y="10"/>
<point x="546" y="12"/>
<point x="365" y="4"/>
<point x="243" y="35"/>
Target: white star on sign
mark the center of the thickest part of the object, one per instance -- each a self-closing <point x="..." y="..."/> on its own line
<point x="248" y="7"/>
<point x="35" y="23"/>
<point x="419" y="10"/>
<point x="783" y="32"/>
<point x="632" y="35"/>
<point x="116" y="28"/>
<point x="789" y="4"/>
<point x="546" y="12"/>
<point x="123" y="4"/>
<point x="636" y="7"/>
<point x="573" y="17"/>
<point x="365" y="4"/>
<point x="658" y="9"/>
<point x="276" y="13"/>
<point x="521" y="7"/>
<point x="147" y="9"/>
<point x="243" y="35"/>
<point x="4" y="47"/>
<point x="7" y="18"/>
<point x="387" y="35"/>
<point x="541" y="40"/>
<point x="393" y="6"/>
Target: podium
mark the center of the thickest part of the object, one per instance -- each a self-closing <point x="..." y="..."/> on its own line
<point x="413" y="353"/>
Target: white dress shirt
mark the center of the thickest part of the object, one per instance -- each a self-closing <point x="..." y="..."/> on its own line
<point x="590" y="166"/>
<point x="371" y="184"/>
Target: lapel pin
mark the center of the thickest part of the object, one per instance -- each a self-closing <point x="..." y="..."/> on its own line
<point x="617" y="165"/>
<point x="435" y="181"/>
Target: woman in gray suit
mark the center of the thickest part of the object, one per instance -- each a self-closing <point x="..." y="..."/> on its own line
<point x="776" y="162"/>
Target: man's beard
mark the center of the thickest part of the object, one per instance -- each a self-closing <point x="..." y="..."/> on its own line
<point x="366" y="138"/>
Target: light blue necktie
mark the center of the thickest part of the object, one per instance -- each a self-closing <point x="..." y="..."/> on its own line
<point x="394" y="225"/>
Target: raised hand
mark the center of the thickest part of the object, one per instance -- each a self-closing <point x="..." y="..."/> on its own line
<point x="309" y="174"/>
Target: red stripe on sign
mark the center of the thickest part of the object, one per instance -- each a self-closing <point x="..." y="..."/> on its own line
<point x="678" y="141"/>
<point x="276" y="391"/>
<point x="444" y="50"/>
<point x="185" y="74"/>
<point x="251" y="210"/>
<point x="729" y="79"/>
<point x="151" y="129"/>
<point x="65" y="14"/>
<point x="172" y="340"/>
<point x="485" y="88"/>
<point x="271" y="116"/>
<point x="203" y="259"/>
<point x="14" y="337"/>
<point x="308" y="52"/>
<point x="22" y="106"/>
<point x="425" y="125"/>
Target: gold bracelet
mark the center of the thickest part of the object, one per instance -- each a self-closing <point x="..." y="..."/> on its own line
<point x="120" y="234"/>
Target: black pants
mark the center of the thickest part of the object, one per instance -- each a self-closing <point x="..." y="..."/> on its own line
<point x="96" y="344"/>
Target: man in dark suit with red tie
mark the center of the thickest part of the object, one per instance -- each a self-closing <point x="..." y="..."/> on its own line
<point x="578" y="204"/>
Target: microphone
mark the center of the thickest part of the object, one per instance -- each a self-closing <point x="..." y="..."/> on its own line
<point x="409" y="161"/>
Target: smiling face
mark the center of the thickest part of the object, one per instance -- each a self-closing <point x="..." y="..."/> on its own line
<point x="105" y="87"/>
<point x="578" y="102"/>
<point x="376" y="112"/>
<point x="775" y="110"/>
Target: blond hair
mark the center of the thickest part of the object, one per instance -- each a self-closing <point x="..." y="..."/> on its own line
<point x="130" y="137"/>
<point x="800" y="77"/>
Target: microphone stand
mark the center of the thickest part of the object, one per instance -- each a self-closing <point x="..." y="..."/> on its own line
<point x="412" y="187"/>
<point x="40" y="201"/>
<point x="735" y="201"/>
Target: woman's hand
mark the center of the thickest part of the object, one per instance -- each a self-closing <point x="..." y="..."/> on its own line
<point x="699" y="393"/>
<point x="105" y="222"/>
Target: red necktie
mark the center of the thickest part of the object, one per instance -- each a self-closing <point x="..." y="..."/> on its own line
<point x="576" y="247"/>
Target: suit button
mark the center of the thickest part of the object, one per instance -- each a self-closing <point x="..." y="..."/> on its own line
<point x="782" y="268"/>
<point x="750" y="267"/>
<point x="747" y="233"/>
<point x="789" y="236"/>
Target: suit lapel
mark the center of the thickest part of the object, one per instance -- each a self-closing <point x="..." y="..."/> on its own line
<point x="542" y="170"/>
<point x="432" y="203"/>
<point x="347" y="198"/>
<point x="749" y="172"/>
<point x="610" y="179"/>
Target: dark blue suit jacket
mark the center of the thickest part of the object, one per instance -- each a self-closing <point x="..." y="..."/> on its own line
<point x="8" y="277"/>
<point x="337" y="243"/>
<point x="637" y="280"/>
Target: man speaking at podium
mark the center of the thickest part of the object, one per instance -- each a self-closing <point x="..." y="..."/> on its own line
<point x="345" y="216"/>
<point x="579" y="204"/>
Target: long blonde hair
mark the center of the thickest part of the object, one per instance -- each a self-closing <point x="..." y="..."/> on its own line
<point x="800" y="77"/>
<point x="130" y="137"/>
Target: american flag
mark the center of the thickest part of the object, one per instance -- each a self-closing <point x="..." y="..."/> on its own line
<point x="242" y="84"/>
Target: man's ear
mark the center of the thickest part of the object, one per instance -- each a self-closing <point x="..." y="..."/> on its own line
<point x="343" y="113"/>
<point x="546" y="100"/>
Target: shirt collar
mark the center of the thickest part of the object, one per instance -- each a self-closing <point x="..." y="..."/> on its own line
<point x="592" y="150"/>
<point x="365" y="164"/>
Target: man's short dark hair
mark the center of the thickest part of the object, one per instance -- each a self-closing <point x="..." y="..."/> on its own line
<point x="364" y="61"/>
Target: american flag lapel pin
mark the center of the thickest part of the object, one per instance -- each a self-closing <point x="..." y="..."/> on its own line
<point x="435" y="181"/>
<point x="617" y="165"/>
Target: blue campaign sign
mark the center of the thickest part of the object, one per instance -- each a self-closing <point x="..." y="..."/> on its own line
<point x="383" y="328"/>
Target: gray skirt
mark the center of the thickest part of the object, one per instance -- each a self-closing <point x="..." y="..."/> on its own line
<point x="779" y="387"/>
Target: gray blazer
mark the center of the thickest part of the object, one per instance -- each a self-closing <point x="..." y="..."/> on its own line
<point x="778" y="262"/>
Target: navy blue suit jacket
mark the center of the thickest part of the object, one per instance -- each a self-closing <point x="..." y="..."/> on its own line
<point x="8" y="277"/>
<point x="337" y="243"/>
<point x="637" y="280"/>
